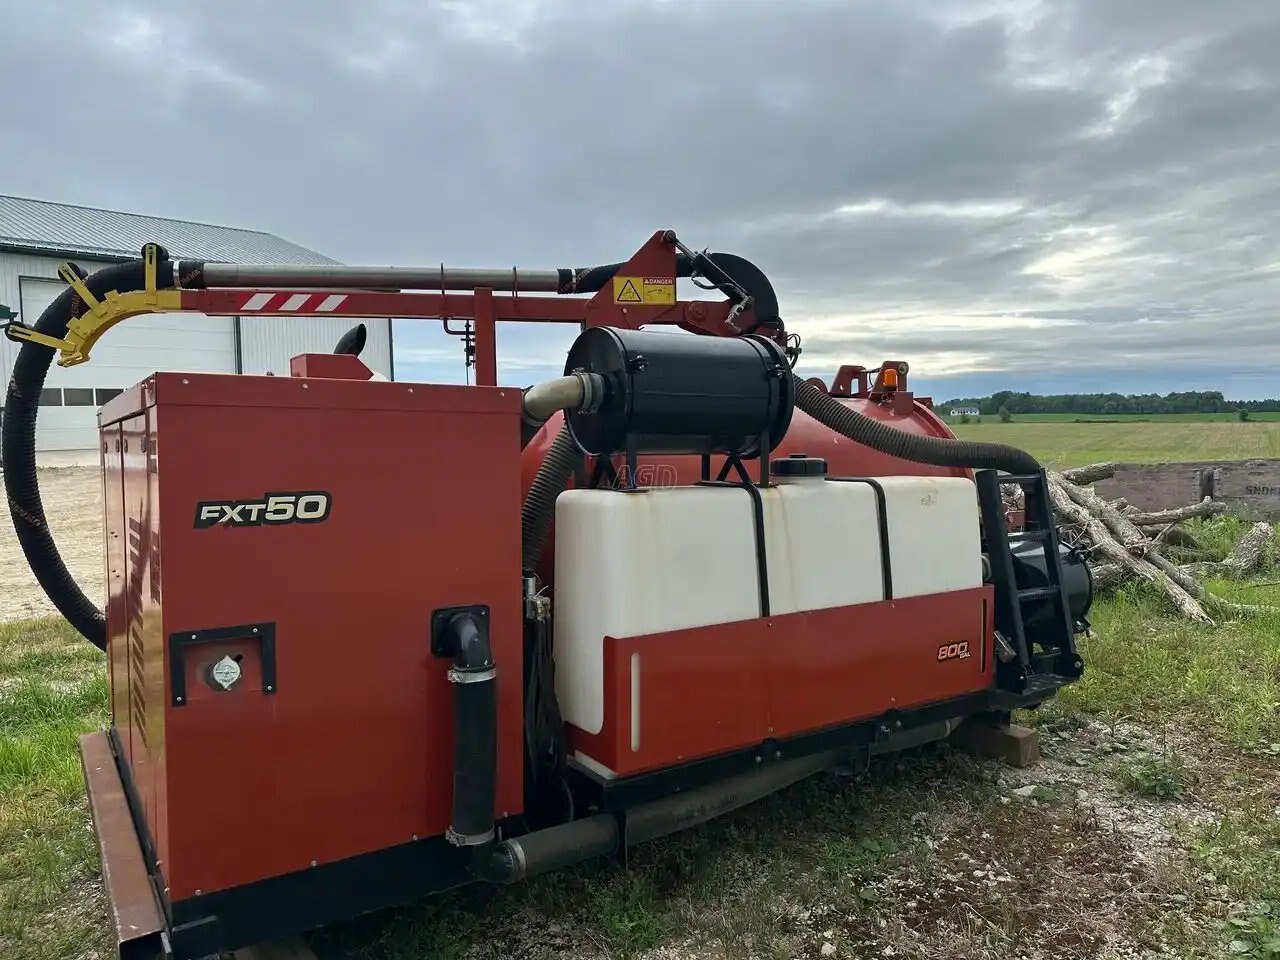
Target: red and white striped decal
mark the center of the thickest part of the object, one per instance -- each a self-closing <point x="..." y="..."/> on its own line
<point x="292" y="303"/>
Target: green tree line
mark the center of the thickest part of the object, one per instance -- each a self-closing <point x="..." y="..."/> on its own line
<point x="1191" y="401"/>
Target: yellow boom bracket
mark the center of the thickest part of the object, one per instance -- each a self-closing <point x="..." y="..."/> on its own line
<point x="101" y="315"/>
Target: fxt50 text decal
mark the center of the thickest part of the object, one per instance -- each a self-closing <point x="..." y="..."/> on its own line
<point x="302" y="506"/>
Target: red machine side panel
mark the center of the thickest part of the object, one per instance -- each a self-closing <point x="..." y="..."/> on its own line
<point x="352" y="750"/>
<point x="114" y="559"/>
<point x="141" y="620"/>
<point x="146" y="461"/>
<point x="714" y="689"/>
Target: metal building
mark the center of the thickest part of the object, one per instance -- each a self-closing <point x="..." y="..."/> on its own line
<point x="37" y="236"/>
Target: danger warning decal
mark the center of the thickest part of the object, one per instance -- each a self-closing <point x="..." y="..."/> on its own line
<point x="651" y="290"/>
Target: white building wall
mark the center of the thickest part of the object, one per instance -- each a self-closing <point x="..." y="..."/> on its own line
<point x="268" y="343"/>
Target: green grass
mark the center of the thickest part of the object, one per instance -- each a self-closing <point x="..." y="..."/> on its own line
<point x="1071" y="444"/>
<point x="52" y="689"/>
<point x="1223" y="679"/>
<point x="895" y="858"/>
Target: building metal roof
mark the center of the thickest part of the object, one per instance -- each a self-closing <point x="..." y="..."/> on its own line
<point x="62" y="229"/>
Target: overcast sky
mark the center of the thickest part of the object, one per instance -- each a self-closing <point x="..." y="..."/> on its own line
<point x="1036" y="195"/>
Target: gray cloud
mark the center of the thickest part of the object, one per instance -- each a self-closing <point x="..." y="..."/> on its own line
<point x="1005" y="193"/>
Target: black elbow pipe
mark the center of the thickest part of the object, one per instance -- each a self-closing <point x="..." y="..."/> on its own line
<point x="719" y="268"/>
<point x="18" y="448"/>
<point x="463" y="634"/>
<point x="545" y="850"/>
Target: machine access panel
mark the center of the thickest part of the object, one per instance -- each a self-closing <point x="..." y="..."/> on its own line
<point x="275" y="548"/>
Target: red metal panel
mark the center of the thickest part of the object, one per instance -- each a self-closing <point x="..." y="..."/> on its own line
<point x="157" y="709"/>
<point x="140" y="625"/>
<point x="713" y="689"/>
<point x="134" y="912"/>
<point x="332" y="366"/>
<point x="353" y="751"/>
<point x="114" y="558"/>
<point x="346" y="397"/>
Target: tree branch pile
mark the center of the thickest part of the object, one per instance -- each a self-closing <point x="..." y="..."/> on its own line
<point x="1123" y="543"/>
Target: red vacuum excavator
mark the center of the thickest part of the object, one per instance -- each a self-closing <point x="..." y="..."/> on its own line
<point x="349" y="664"/>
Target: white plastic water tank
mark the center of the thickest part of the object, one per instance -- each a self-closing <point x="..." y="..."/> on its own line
<point x="630" y="564"/>
<point x="935" y="544"/>
<point x="822" y="544"/>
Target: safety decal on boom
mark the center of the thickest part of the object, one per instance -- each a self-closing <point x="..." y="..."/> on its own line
<point x="659" y="291"/>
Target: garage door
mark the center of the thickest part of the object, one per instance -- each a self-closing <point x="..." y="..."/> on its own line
<point x="127" y="353"/>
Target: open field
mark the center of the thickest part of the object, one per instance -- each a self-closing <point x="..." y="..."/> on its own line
<point x="1129" y="417"/>
<point x="1151" y="829"/>
<point x="1072" y="444"/>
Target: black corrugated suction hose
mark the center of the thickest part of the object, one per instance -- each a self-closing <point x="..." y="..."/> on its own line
<point x="18" y="449"/>
<point x="539" y="506"/>
<point x="939" y="451"/>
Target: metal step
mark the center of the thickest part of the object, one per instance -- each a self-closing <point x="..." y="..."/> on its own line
<point x="1029" y="536"/>
<point x="1036" y="593"/>
<point x="1022" y="479"/>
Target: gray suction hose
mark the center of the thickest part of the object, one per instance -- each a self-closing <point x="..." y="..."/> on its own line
<point x="939" y="451"/>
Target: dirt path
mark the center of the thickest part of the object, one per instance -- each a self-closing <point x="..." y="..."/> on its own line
<point x="73" y="504"/>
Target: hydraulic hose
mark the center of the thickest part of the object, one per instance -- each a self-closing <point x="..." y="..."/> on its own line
<point x="938" y="451"/>
<point x="18" y="448"/>
<point x="539" y="506"/>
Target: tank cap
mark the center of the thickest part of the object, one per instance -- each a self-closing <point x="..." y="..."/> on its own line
<point x="799" y="465"/>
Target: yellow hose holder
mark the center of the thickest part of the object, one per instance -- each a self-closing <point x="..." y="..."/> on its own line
<point x="101" y="315"/>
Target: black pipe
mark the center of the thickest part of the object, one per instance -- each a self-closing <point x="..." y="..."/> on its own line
<point x="538" y="510"/>
<point x="18" y="447"/>
<point x="353" y="340"/>
<point x="561" y="846"/>
<point x="465" y="635"/>
<point x="938" y="451"/>
<point x="545" y="850"/>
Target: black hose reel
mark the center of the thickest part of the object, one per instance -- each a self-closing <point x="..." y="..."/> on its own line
<point x="670" y="393"/>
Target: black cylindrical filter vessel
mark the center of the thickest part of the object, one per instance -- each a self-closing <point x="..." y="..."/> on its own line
<point x="682" y="393"/>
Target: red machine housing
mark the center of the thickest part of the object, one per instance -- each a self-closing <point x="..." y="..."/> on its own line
<point x="334" y="741"/>
<point x="301" y="533"/>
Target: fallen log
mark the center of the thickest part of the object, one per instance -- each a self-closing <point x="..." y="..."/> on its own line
<point x="1102" y="541"/>
<point x="1197" y="589"/>
<point x="1157" y="518"/>
<point x="1091" y="473"/>
<point x="1243" y="559"/>
<point x="1130" y="537"/>
<point x="1106" y="576"/>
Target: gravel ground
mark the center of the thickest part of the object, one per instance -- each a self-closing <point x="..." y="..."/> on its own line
<point x="73" y="504"/>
